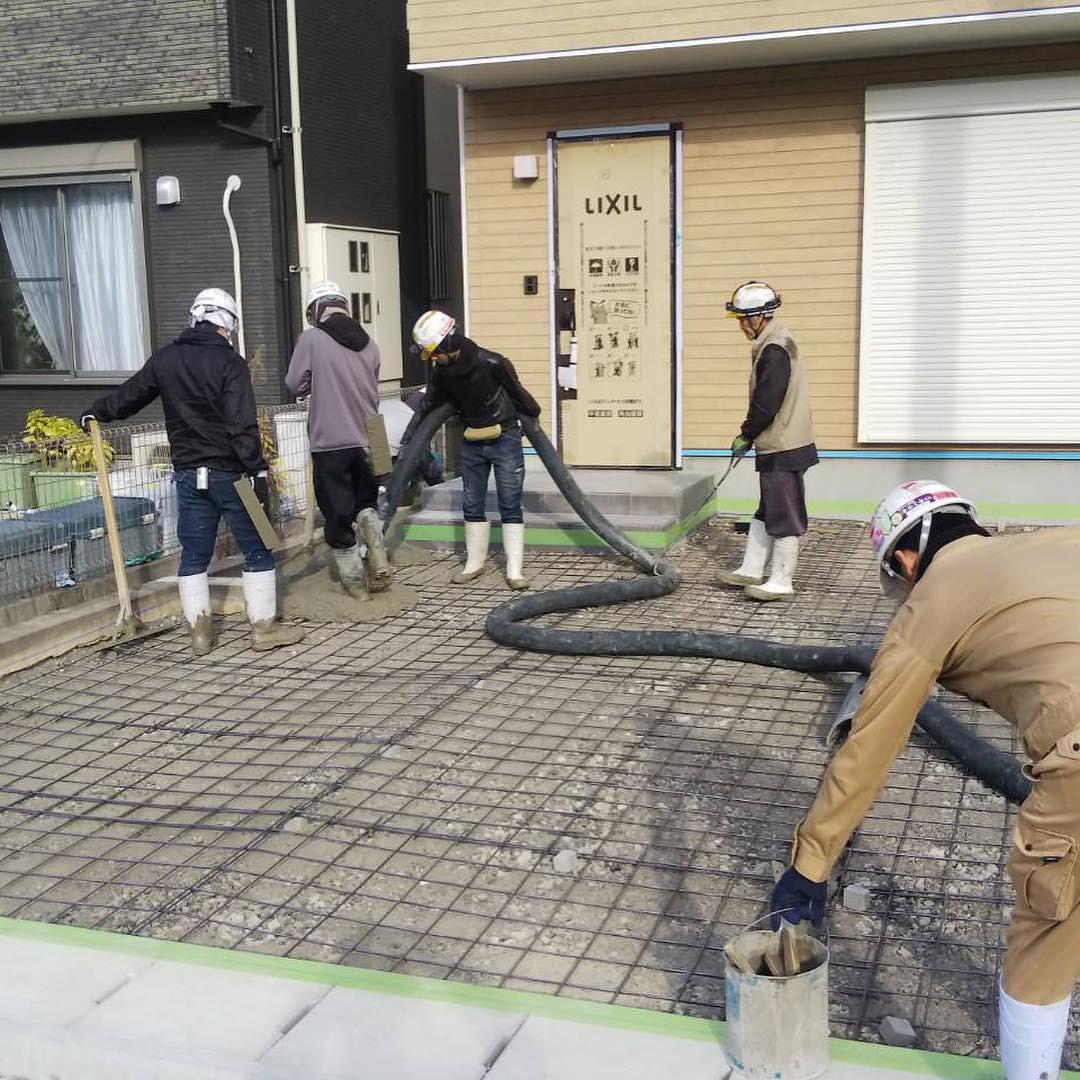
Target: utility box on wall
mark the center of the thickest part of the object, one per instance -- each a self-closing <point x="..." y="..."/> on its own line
<point x="364" y="262"/>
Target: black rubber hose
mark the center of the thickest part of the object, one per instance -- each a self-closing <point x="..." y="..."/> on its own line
<point x="409" y="458"/>
<point x="506" y="623"/>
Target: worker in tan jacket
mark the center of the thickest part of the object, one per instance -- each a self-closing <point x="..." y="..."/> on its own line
<point x="999" y="621"/>
<point x="779" y="427"/>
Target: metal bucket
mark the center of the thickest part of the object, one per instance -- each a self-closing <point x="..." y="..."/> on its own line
<point x="778" y="1027"/>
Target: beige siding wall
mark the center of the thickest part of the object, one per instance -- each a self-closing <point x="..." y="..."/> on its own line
<point x="462" y="29"/>
<point x="772" y="189"/>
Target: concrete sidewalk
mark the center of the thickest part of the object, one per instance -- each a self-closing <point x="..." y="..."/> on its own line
<point x="85" y="1005"/>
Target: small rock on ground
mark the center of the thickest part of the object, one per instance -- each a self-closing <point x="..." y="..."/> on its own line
<point x="896" y="1031"/>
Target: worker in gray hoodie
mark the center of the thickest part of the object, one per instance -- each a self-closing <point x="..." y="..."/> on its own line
<point x="337" y="363"/>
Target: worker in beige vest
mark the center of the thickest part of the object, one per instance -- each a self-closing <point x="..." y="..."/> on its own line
<point x="998" y="620"/>
<point x="779" y="427"/>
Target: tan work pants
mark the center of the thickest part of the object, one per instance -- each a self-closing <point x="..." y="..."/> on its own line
<point x="1043" y="958"/>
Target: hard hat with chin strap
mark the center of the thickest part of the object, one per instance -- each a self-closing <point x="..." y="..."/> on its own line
<point x="753" y="298"/>
<point x="323" y="291"/>
<point x="214" y="306"/>
<point x="900" y="511"/>
<point x="431" y="330"/>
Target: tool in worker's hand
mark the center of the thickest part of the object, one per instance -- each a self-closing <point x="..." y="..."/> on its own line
<point x="716" y="487"/>
<point x="256" y="513"/>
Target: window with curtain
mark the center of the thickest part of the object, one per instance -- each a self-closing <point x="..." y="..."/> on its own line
<point x="72" y="283"/>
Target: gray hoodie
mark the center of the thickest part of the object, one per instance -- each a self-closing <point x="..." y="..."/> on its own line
<point x="337" y="363"/>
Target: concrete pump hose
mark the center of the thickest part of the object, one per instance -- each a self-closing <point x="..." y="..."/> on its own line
<point x="506" y="623"/>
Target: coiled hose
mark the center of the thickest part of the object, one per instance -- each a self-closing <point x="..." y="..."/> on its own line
<point x="506" y="624"/>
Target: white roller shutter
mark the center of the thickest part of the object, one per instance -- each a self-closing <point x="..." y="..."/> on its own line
<point x="970" y="329"/>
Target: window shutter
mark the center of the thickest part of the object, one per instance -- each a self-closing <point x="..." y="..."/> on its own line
<point x="970" y="328"/>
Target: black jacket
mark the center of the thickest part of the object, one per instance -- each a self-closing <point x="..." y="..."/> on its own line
<point x="205" y="388"/>
<point x="483" y="386"/>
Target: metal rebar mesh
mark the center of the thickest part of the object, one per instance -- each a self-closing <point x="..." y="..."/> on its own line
<point x="391" y="795"/>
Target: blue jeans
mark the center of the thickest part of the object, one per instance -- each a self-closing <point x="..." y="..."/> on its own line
<point x="477" y="460"/>
<point x="199" y="513"/>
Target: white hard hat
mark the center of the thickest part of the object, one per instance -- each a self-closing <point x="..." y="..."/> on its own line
<point x="902" y="508"/>
<point x="324" y="290"/>
<point x="753" y="298"/>
<point x="214" y="306"/>
<point x="431" y="330"/>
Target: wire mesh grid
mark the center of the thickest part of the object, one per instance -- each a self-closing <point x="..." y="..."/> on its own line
<point x="391" y="796"/>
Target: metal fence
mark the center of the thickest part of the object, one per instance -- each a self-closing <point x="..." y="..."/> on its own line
<point x="52" y="524"/>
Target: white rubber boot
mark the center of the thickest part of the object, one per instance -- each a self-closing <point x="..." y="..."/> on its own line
<point x="752" y="570"/>
<point x="1032" y="1037"/>
<point x="350" y="569"/>
<point x="477" y="538"/>
<point x="785" y="557"/>
<point x="260" y="598"/>
<point x="513" y="535"/>
<point x="195" y="601"/>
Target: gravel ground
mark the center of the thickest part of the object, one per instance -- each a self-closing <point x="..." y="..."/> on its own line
<point x="391" y="795"/>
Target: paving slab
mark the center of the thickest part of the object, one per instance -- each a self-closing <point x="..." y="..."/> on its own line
<point x="545" y="1049"/>
<point x="352" y="1034"/>
<point x="50" y="984"/>
<point x="189" y="1010"/>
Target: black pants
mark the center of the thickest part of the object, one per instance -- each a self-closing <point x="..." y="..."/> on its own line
<point x="344" y="485"/>
<point x="783" y="503"/>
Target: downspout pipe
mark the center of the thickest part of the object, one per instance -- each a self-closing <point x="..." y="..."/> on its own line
<point x="296" y="130"/>
<point x="277" y="161"/>
<point x="231" y="185"/>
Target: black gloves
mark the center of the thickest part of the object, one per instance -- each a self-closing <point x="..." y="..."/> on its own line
<point x="804" y="897"/>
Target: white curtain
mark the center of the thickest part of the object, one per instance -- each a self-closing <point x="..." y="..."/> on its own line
<point x="31" y="226"/>
<point x="107" y="282"/>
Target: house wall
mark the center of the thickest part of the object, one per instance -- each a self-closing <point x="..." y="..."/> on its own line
<point x="465" y="29"/>
<point x="772" y="189"/>
<point x="187" y="246"/>
<point x="73" y="57"/>
<point x="363" y="131"/>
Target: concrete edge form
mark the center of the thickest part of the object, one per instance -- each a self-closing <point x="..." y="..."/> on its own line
<point x="912" y="1062"/>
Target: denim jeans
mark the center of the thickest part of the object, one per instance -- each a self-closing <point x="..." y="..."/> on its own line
<point x="477" y="460"/>
<point x="199" y="513"/>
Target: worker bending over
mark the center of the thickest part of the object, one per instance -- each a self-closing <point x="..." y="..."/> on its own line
<point x="484" y="388"/>
<point x="209" y="402"/>
<point x="779" y="427"/>
<point x="997" y="620"/>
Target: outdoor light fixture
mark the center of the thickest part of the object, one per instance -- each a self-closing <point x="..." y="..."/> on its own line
<point x="168" y="191"/>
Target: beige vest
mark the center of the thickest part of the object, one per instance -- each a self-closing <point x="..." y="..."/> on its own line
<point x="793" y="426"/>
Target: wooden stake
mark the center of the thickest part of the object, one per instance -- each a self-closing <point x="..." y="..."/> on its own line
<point x="789" y="946"/>
<point x="257" y="514"/>
<point x="309" y="502"/>
<point x="126" y="619"/>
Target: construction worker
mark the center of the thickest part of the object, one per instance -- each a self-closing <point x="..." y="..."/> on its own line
<point x="337" y="363"/>
<point x="484" y="388"/>
<point x="209" y="402"/>
<point x="779" y="427"/>
<point x="999" y="621"/>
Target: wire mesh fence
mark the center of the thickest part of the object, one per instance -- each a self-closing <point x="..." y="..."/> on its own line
<point x="52" y="520"/>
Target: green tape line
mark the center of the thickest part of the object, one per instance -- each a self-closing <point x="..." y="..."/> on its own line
<point x="913" y="1062"/>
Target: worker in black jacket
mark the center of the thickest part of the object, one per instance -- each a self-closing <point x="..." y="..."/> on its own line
<point x="484" y="388"/>
<point x="209" y="402"/>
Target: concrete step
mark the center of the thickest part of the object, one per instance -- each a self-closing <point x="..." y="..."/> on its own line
<point x="653" y="506"/>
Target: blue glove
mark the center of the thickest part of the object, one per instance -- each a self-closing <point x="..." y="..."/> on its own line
<point x="806" y="898"/>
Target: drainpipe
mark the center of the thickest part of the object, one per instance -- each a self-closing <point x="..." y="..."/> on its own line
<point x="280" y="198"/>
<point x="296" y="131"/>
<point x="231" y="185"/>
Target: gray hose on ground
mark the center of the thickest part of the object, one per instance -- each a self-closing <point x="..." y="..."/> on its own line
<point x="505" y="624"/>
